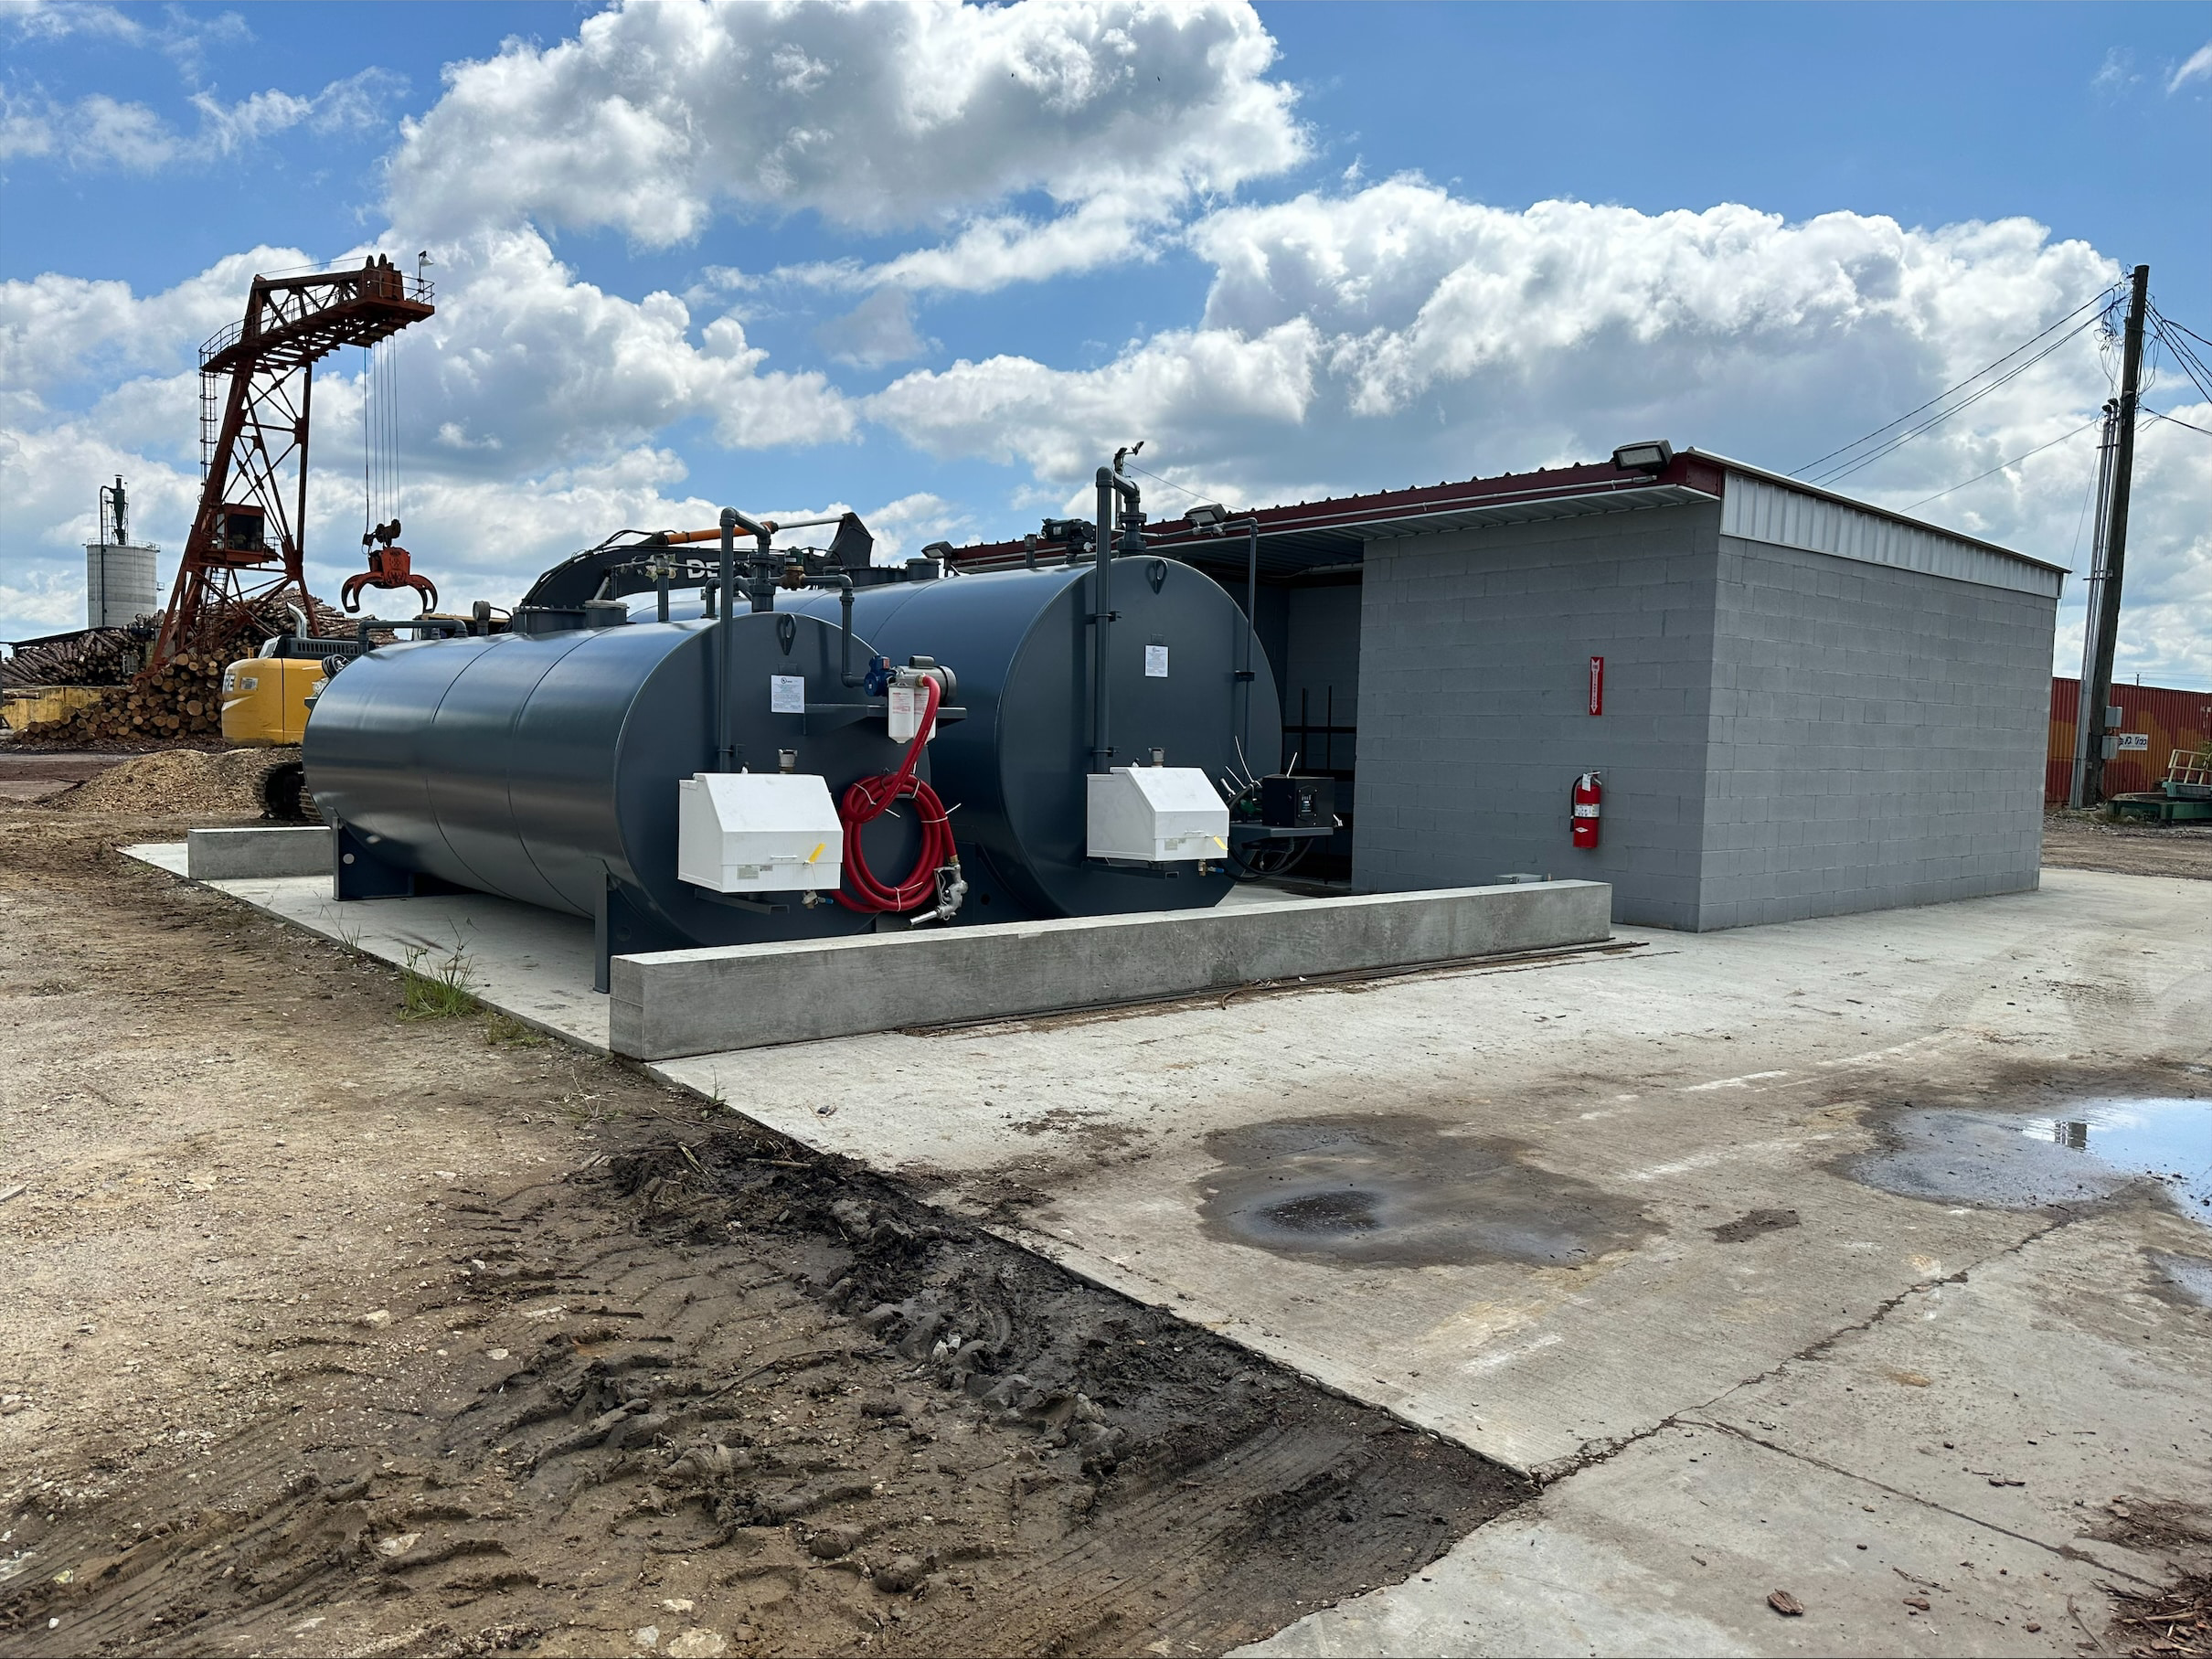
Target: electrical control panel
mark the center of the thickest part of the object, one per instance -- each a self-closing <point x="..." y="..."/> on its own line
<point x="758" y="833"/>
<point x="1155" y="815"/>
<point x="1294" y="803"/>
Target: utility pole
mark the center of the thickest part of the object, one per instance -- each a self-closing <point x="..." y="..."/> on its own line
<point x="2089" y="741"/>
<point x="2086" y="685"/>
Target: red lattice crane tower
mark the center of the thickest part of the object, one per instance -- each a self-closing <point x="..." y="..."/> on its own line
<point x="245" y="549"/>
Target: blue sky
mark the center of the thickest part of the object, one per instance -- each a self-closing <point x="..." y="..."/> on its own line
<point x="931" y="264"/>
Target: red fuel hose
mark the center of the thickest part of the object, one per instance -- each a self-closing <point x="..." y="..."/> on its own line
<point x="867" y="800"/>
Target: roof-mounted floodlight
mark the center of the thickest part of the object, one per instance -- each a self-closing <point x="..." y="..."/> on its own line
<point x="1207" y="516"/>
<point x="1650" y="457"/>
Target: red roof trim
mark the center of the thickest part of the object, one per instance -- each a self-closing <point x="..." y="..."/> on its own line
<point x="1594" y="478"/>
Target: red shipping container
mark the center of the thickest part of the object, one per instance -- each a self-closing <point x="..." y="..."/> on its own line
<point x="2166" y="719"/>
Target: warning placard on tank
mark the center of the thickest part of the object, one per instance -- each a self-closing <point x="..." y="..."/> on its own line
<point x="1156" y="662"/>
<point x="786" y="693"/>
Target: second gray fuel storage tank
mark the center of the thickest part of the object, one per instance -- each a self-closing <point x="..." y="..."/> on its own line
<point x="1014" y="770"/>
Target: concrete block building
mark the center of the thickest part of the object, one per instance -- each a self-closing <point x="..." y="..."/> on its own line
<point x="1800" y="705"/>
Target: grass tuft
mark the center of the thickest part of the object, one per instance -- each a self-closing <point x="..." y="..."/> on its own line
<point x="439" y="988"/>
<point x="506" y="1031"/>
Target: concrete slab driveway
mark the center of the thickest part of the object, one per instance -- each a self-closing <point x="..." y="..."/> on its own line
<point x="1761" y="1247"/>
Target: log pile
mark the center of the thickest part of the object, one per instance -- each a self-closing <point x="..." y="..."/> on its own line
<point x="90" y="657"/>
<point x="182" y="699"/>
<point x="176" y="701"/>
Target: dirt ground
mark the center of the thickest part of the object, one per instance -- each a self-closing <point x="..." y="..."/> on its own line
<point x="330" y="1332"/>
<point x="2084" y="841"/>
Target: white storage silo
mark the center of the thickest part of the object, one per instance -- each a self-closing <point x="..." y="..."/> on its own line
<point x="118" y="584"/>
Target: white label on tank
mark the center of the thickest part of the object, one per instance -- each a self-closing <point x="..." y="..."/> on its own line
<point x="1156" y="662"/>
<point x="786" y="693"/>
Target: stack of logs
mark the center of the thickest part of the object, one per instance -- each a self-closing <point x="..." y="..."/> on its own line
<point x="180" y="699"/>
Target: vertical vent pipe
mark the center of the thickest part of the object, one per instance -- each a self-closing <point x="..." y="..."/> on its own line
<point x="725" y="749"/>
<point x="1111" y="483"/>
<point x="726" y="646"/>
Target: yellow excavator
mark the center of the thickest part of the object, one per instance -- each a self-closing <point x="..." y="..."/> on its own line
<point x="266" y="696"/>
<point x="266" y="699"/>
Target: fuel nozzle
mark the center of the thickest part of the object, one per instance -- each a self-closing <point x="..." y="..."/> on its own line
<point x="952" y="892"/>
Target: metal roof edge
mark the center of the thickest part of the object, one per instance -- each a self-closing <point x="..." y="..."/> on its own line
<point x="1784" y="481"/>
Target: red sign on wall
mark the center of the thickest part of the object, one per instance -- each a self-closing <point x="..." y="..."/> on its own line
<point x="1597" y="685"/>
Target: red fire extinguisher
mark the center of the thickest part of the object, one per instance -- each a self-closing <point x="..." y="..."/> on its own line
<point x="1589" y="797"/>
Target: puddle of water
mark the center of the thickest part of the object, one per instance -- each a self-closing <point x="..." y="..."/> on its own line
<point x="2085" y="1152"/>
<point x="2168" y="1140"/>
<point x="1405" y="1191"/>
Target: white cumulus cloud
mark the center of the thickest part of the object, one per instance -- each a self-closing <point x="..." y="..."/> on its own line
<point x="1113" y="114"/>
<point x="98" y="132"/>
<point x="1398" y="335"/>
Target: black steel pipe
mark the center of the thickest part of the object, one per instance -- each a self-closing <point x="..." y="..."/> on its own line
<point x="1110" y="482"/>
<point x="844" y="649"/>
<point x="1251" y="633"/>
<point x="726" y="674"/>
<point x="434" y="625"/>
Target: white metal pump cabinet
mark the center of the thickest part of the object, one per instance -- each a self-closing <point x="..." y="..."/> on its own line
<point x="1156" y="815"/>
<point x="758" y="833"/>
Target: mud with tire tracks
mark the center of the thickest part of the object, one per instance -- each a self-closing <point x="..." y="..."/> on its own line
<point x="337" y="1333"/>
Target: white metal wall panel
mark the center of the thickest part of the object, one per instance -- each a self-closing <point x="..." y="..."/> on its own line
<point x="1756" y="510"/>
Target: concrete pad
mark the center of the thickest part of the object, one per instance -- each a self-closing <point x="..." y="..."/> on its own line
<point x="669" y="1003"/>
<point x="263" y="850"/>
<point x="1979" y="1424"/>
<point x="2055" y="1378"/>
<point x="531" y="964"/>
<point x="1676" y="1090"/>
<point x="1673" y="1546"/>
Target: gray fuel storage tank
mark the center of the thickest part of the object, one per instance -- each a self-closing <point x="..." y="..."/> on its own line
<point x="545" y="768"/>
<point x="1014" y="771"/>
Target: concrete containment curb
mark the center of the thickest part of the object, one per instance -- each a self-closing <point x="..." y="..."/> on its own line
<point x="245" y="854"/>
<point x="668" y="1004"/>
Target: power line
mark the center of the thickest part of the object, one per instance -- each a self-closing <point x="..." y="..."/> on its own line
<point x="2169" y="419"/>
<point x="2098" y="300"/>
<point x="1132" y="467"/>
<point x="2193" y="366"/>
<point x="1891" y="446"/>
<point x="2089" y="495"/>
<point x="2015" y="461"/>
<point x="2190" y="332"/>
